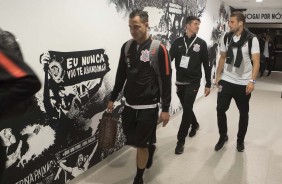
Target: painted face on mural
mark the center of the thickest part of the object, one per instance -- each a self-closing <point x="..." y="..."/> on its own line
<point x="80" y="160"/>
<point x="55" y="70"/>
<point x="177" y="26"/>
<point x="193" y="27"/>
<point x="62" y="93"/>
<point x="138" y="29"/>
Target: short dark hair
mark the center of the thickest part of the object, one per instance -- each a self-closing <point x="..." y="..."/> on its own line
<point x="189" y="19"/>
<point x="239" y="16"/>
<point x="142" y="14"/>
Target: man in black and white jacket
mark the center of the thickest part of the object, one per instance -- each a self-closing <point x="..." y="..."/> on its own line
<point x="142" y="92"/>
<point x="190" y="53"/>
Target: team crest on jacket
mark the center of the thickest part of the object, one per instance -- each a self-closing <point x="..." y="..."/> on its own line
<point x="196" y="48"/>
<point x="145" y="56"/>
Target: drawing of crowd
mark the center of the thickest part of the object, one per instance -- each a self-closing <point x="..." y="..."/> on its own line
<point x="174" y="12"/>
<point x="171" y="24"/>
<point x="21" y="145"/>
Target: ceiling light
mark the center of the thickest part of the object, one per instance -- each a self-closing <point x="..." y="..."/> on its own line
<point x="259" y="1"/>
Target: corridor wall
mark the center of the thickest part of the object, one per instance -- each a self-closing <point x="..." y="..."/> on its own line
<point x="74" y="47"/>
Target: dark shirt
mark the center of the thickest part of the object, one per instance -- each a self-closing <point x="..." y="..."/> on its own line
<point x="140" y="79"/>
<point x="198" y="53"/>
<point x="18" y="83"/>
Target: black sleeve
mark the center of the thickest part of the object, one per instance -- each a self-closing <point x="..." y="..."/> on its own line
<point x="272" y="49"/>
<point x="120" y="76"/>
<point x="206" y="65"/>
<point x="17" y="80"/>
<point x="172" y="51"/>
<point x="165" y="72"/>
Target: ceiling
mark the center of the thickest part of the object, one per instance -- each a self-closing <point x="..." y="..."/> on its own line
<point x="252" y="4"/>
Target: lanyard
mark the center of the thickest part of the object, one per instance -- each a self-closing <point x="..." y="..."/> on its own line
<point x="189" y="45"/>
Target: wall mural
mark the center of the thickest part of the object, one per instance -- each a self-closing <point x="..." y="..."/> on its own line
<point x="59" y="140"/>
<point x="172" y="15"/>
<point x="218" y="31"/>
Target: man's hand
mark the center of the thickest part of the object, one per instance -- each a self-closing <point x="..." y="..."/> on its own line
<point x="164" y="117"/>
<point x="250" y="87"/>
<point x="110" y="106"/>
<point x="45" y="58"/>
<point x="217" y="79"/>
<point x="207" y="91"/>
<point x="62" y="162"/>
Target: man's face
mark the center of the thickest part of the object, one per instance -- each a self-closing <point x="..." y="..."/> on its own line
<point x="55" y="71"/>
<point x="234" y="24"/>
<point x="61" y="93"/>
<point x="193" y="27"/>
<point x="80" y="160"/>
<point x="138" y="29"/>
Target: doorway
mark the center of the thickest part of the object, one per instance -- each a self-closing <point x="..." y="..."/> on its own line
<point x="275" y="32"/>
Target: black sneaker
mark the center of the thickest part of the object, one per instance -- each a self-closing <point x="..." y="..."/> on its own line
<point x="240" y="147"/>
<point x="194" y="130"/>
<point x="179" y="148"/>
<point x="220" y="143"/>
<point x="138" y="180"/>
<point x="151" y="150"/>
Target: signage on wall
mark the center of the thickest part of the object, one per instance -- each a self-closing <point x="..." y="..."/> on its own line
<point x="263" y="15"/>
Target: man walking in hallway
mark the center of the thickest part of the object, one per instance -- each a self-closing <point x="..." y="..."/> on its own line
<point x="142" y="91"/>
<point x="236" y="76"/>
<point x="268" y="52"/>
<point x="190" y="53"/>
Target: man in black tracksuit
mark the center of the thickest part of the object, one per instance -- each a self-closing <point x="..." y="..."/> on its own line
<point x="190" y="53"/>
<point x="142" y="92"/>
<point x="18" y="83"/>
<point x="267" y="51"/>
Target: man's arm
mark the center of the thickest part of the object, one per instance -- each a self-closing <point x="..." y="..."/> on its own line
<point x="63" y="166"/>
<point x="165" y="72"/>
<point x="207" y="68"/>
<point x="256" y="64"/>
<point x="272" y="50"/>
<point x="119" y="81"/>
<point x="172" y="51"/>
<point x="221" y="61"/>
<point x="87" y="162"/>
<point x="220" y="67"/>
<point x="18" y="81"/>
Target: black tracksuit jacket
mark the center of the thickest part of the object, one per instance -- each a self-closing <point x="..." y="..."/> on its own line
<point x="198" y="54"/>
<point x="140" y="79"/>
<point x="18" y="83"/>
